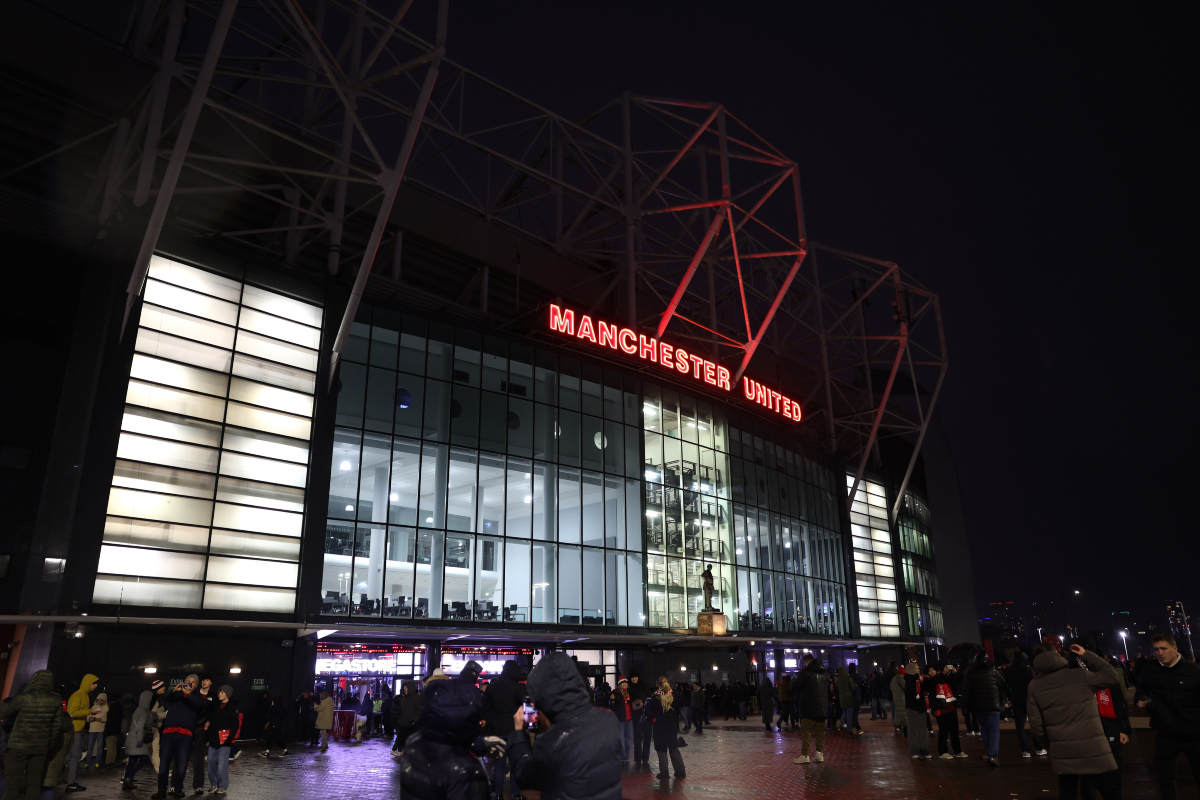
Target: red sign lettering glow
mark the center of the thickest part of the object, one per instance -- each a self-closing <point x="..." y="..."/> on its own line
<point x="581" y="326"/>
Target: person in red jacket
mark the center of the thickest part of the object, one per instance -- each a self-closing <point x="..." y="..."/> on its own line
<point x="621" y="704"/>
<point x="943" y="705"/>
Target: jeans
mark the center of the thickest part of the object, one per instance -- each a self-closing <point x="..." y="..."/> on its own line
<point x="176" y="748"/>
<point x="643" y="734"/>
<point x="895" y="723"/>
<point x="741" y="709"/>
<point x="95" y="749"/>
<point x="325" y="740"/>
<point x="626" y="739"/>
<point x="847" y="718"/>
<point x="814" y="728"/>
<point x="947" y="723"/>
<point x="24" y="762"/>
<point x="110" y="750"/>
<point x="1019" y="717"/>
<point x="989" y="729"/>
<point x="918" y="734"/>
<point x="676" y="761"/>
<point x="199" y="750"/>
<point x="684" y="712"/>
<point x="218" y="767"/>
<point x="1166" y="753"/>
<point x="75" y="755"/>
<point x="134" y="765"/>
<point x="1108" y="784"/>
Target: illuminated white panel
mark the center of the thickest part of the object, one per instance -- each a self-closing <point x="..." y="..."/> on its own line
<point x="187" y="326"/>
<point x="271" y="397"/>
<point x="259" y="369"/>
<point x="254" y="493"/>
<point x="249" y="598"/>
<point x="281" y="306"/>
<point x="162" y="398"/>
<point x="238" y="543"/>
<point x="122" y="530"/>
<point x="196" y="279"/>
<point x="259" y="520"/>
<point x="165" y="508"/>
<point x="262" y="444"/>
<point x="170" y="426"/>
<point x="277" y="328"/>
<point x="269" y="421"/>
<point x="168" y="296"/>
<point x="174" y="454"/>
<point x="164" y="345"/>
<point x="146" y="592"/>
<point x="151" y="563"/>
<point x="178" y="375"/>
<point x="244" y="570"/>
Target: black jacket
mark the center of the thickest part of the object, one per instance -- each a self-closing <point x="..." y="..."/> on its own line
<point x="437" y="763"/>
<point x="503" y="697"/>
<point x="580" y="756"/>
<point x="1174" y="695"/>
<point x="665" y="724"/>
<point x="37" y="710"/>
<point x="810" y="690"/>
<point x="182" y="710"/>
<point x="222" y="717"/>
<point x="1017" y="678"/>
<point x="984" y="688"/>
<point x="112" y="724"/>
<point x="914" y="691"/>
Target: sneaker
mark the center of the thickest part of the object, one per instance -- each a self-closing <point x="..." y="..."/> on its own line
<point x="927" y="755"/>
<point x="819" y="757"/>
<point x="1026" y="754"/>
<point x="961" y="754"/>
<point x="993" y="762"/>
<point x="800" y="760"/>
<point x="75" y="787"/>
<point x="265" y="754"/>
<point x="1039" y="752"/>
<point x="945" y="755"/>
<point x="285" y="751"/>
<point x="916" y="756"/>
<point x="236" y="756"/>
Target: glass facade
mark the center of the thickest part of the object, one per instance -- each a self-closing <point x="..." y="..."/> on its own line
<point x="479" y="478"/>
<point x="207" y="500"/>
<point x="874" y="564"/>
<point x="920" y="570"/>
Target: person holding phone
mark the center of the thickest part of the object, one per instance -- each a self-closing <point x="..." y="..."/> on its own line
<point x="1063" y="711"/>
<point x="576" y="751"/>
<point x="437" y="762"/>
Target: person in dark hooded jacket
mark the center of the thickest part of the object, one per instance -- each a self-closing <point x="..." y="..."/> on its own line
<point x="985" y="695"/>
<point x="810" y="691"/>
<point x="37" y="711"/>
<point x="502" y="699"/>
<point x="437" y="763"/>
<point x="138" y="739"/>
<point x="1017" y="677"/>
<point x="276" y="719"/>
<point x="578" y="754"/>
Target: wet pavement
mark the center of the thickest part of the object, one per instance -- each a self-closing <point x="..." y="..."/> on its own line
<point x="730" y="760"/>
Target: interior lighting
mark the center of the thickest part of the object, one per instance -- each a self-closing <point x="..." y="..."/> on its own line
<point x="682" y="668"/>
<point x="150" y="670"/>
<point x="345" y="465"/>
<point x="528" y="498"/>
<point x="349" y="508"/>
<point x="235" y="670"/>
<point x="429" y="519"/>
<point x="393" y="497"/>
<point x="714" y="667"/>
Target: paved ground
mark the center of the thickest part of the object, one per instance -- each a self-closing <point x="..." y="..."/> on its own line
<point x="731" y="760"/>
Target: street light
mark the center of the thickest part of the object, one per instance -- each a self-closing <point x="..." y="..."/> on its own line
<point x="1125" y="645"/>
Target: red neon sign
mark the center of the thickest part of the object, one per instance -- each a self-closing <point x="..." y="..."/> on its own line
<point x="604" y="334"/>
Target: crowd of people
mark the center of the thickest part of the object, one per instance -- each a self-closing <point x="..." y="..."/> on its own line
<point x="474" y="736"/>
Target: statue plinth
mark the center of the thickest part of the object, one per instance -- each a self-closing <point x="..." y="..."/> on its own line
<point x="710" y="623"/>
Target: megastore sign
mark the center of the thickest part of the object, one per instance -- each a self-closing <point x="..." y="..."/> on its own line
<point x="690" y="365"/>
<point x="383" y="665"/>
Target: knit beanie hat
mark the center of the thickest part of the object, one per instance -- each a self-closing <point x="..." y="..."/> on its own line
<point x="228" y="690"/>
<point x="154" y="687"/>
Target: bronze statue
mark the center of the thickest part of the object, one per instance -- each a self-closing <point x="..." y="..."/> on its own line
<point x="707" y="576"/>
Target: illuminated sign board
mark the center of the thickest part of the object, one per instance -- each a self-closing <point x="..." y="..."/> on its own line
<point x="368" y="660"/>
<point x="566" y="322"/>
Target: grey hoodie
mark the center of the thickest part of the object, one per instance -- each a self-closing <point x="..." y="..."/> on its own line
<point x="137" y="741"/>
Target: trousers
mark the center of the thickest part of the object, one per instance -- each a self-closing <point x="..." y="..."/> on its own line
<point x="135" y="764"/>
<point x="676" y="761"/>
<point x="176" y="748"/>
<point x="199" y="750"/>
<point x="1166" y="753"/>
<point x="814" y="729"/>
<point x="989" y="728"/>
<point x="643" y="735"/>
<point x="948" y="733"/>
<point x="75" y="754"/>
<point x="218" y="767"/>
<point x="24" y="766"/>
<point x="626" y="739"/>
<point x="918" y="734"/>
<point x="1019" y="717"/>
<point x="1108" y="785"/>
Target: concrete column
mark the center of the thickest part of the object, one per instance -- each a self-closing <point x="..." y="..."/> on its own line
<point x="378" y="549"/>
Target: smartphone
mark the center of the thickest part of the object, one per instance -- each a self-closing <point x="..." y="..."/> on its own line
<point x="531" y="714"/>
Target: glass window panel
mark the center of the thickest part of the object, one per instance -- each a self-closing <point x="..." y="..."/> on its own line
<point x="545" y="584"/>
<point x="467" y="358"/>
<point x="519" y="423"/>
<point x="489" y="575"/>
<point x="461" y="489"/>
<point x="178" y="375"/>
<point x="568" y="384"/>
<point x="593" y="610"/>
<point x="385" y="338"/>
<point x="409" y="401"/>
<point x="118" y="560"/>
<point x="593" y="443"/>
<point x="147" y="592"/>
<point x="490" y="515"/>
<point x="281" y="329"/>
<point x="435" y="464"/>
<point x="459" y="577"/>
<point x="656" y="590"/>
<point x="431" y="546"/>
<point x="613" y="396"/>
<point x="123" y="530"/>
<point x="398" y="572"/>
<point x="281" y="306"/>
<point x="593" y="400"/>
<point x="614" y="512"/>
<point x="687" y="419"/>
<point x="652" y="408"/>
<point x="132" y="475"/>
<point x="287" y="377"/>
<point x="725" y="533"/>
<point x="405" y="478"/>
<point x="440" y="363"/>
<point x="335" y="571"/>
<point x="189" y="277"/>
<point x="616" y="611"/>
<point x="568" y="437"/>
<point x="493" y="422"/>
<point x="174" y="401"/>
<point x="614" y="447"/>
<point x="270" y="397"/>
<point x="636" y="590"/>
<point x="259" y="520"/>
<point x="569" y="585"/>
<point x="171" y="454"/>
<point x="254" y="545"/>
<point x="251" y="571"/>
<point x="374" y="485"/>
<point x="672" y="461"/>
<point x="437" y="411"/>
<point x="593" y="508"/>
<point x="243" y="466"/>
<point x="412" y="346"/>
<point x="381" y="400"/>
<point x="520" y="371"/>
<point x="495" y="364"/>
<point x="546" y="378"/>
<point x="269" y="421"/>
<point x="546" y="432"/>
<point x="164" y="508"/>
<point x="634" y="514"/>
<point x="545" y="506"/>
<point x="274" y="350"/>
<point x="690" y="467"/>
<point x="163" y="345"/>
<point x="515" y="600"/>
<point x="358" y="343"/>
<point x="519" y="493"/>
<point x="249" y="598"/>
<point x="264" y="444"/>
<point x="352" y="395"/>
<point x="569" y="507"/>
<point x="168" y="296"/>
<point x="633" y="468"/>
<point x="654" y="462"/>
<point x="464" y="416"/>
<point x="343" y="473"/>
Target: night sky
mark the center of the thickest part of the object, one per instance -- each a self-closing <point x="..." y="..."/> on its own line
<point x="1032" y="170"/>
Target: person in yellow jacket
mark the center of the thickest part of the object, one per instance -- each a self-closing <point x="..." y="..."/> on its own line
<point x="79" y="706"/>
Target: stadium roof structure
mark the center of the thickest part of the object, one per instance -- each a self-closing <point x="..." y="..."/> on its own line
<point x="316" y="134"/>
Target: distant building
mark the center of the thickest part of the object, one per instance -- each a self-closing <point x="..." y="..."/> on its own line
<point x="1180" y="628"/>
